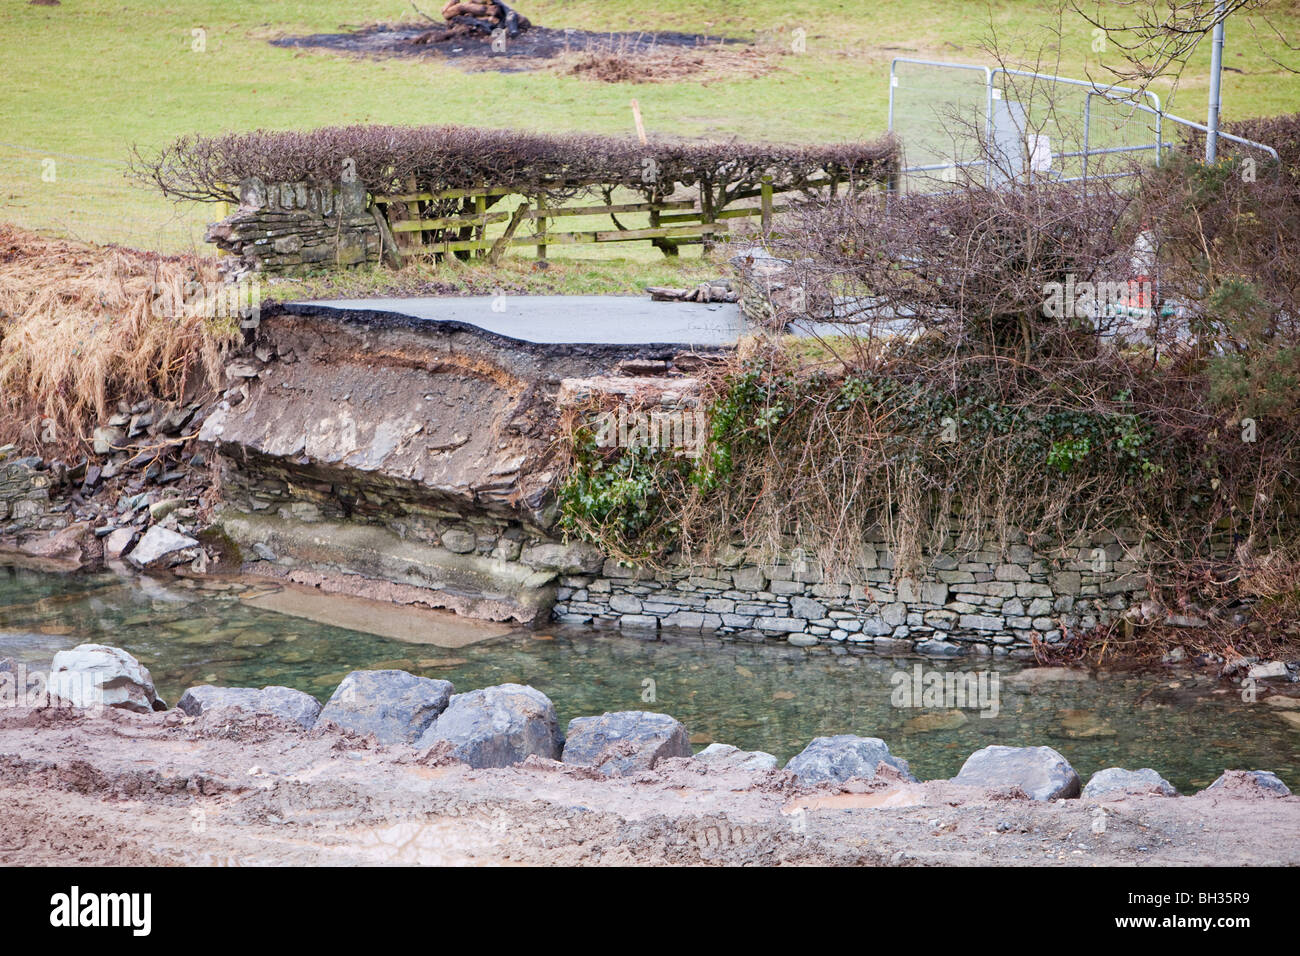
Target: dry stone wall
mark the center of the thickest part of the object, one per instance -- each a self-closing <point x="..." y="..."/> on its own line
<point x="982" y="601"/>
<point x="987" y="601"/>
<point x="296" y="227"/>
<point x="25" y="495"/>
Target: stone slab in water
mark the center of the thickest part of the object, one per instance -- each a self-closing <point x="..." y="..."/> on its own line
<point x="395" y="706"/>
<point x="1246" y="781"/>
<point x="843" y="757"/>
<point x="1116" y="780"/>
<point x="95" y="675"/>
<point x="625" y="742"/>
<point x="498" y="726"/>
<point x="411" y="625"/>
<point x="284" y="702"/>
<point x="1040" y="772"/>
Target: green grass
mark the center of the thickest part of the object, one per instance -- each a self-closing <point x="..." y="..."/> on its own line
<point x="515" y="275"/>
<point x="90" y="78"/>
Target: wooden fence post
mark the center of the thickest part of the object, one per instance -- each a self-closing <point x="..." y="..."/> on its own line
<point x="480" y="232"/>
<point x="417" y="238"/>
<point x="540" y="230"/>
<point x="765" y="191"/>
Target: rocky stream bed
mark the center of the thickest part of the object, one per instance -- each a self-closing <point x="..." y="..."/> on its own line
<point x="401" y="769"/>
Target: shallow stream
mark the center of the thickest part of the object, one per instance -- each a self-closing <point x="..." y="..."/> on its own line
<point x="1186" y="725"/>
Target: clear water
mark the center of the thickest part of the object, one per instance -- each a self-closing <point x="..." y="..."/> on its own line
<point x="774" y="698"/>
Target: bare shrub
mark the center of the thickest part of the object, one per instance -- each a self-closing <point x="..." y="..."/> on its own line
<point x="456" y="157"/>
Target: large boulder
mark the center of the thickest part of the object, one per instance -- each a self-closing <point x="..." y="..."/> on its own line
<point x="727" y="757"/>
<point x="498" y="726"/>
<point x="1114" y="780"/>
<point x="1248" y="782"/>
<point x="842" y="757"/>
<point x="284" y="702"/>
<point x="625" y="742"/>
<point x="94" y="675"/>
<point x="162" y="548"/>
<point x="395" y="706"/>
<point x="1040" y="772"/>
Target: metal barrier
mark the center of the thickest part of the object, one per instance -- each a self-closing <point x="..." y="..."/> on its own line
<point x="995" y="125"/>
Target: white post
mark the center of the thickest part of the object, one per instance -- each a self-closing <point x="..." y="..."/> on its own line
<point x="1216" y="72"/>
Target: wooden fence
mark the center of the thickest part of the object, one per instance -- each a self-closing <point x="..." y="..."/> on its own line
<point x="456" y="221"/>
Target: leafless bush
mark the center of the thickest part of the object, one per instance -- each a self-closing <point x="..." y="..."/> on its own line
<point x="453" y="157"/>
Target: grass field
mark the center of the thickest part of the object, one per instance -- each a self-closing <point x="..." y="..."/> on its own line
<point x="88" y="78"/>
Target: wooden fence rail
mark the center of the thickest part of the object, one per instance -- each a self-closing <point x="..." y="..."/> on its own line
<point x="422" y="225"/>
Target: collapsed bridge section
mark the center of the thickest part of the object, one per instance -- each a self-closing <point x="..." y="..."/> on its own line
<point x="396" y="448"/>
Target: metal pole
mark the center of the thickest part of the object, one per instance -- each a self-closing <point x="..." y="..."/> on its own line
<point x="1087" y="122"/>
<point x="1216" y="71"/>
<point x="1159" y="126"/>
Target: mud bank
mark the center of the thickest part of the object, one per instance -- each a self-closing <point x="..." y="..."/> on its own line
<point x="164" y="789"/>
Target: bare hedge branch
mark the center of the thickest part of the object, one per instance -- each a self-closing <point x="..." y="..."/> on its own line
<point x="209" y="169"/>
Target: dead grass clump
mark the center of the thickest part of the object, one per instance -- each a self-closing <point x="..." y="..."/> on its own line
<point x="83" y="327"/>
<point x="1250" y="610"/>
<point x="668" y="65"/>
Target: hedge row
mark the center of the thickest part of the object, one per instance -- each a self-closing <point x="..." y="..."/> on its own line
<point x="385" y="158"/>
<point x="1280" y="132"/>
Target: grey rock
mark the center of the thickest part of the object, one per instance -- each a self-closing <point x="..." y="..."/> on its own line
<point x="1268" y="670"/>
<point x="1039" y="771"/>
<point x="161" y="548"/>
<point x="940" y="648"/>
<point x="576" y="558"/>
<point x="981" y="622"/>
<point x="807" y="608"/>
<point x="1117" y="780"/>
<point x="759" y="261"/>
<point x="625" y="742"/>
<point x="94" y="675"/>
<point x="161" y="509"/>
<point x="727" y="757"/>
<point x="458" y="542"/>
<point x="842" y="757"/>
<point x="118" y="541"/>
<point x="283" y="702"/>
<point x="498" y="726"/>
<point x="1264" y="780"/>
<point x="638" y="621"/>
<point x="625" y="603"/>
<point x="397" y="707"/>
<point x="107" y="440"/>
<point x="787" y="625"/>
<point x="894" y="614"/>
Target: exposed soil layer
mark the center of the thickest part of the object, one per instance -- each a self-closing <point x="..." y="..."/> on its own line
<point x="536" y="43"/>
<point x="230" y="789"/>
